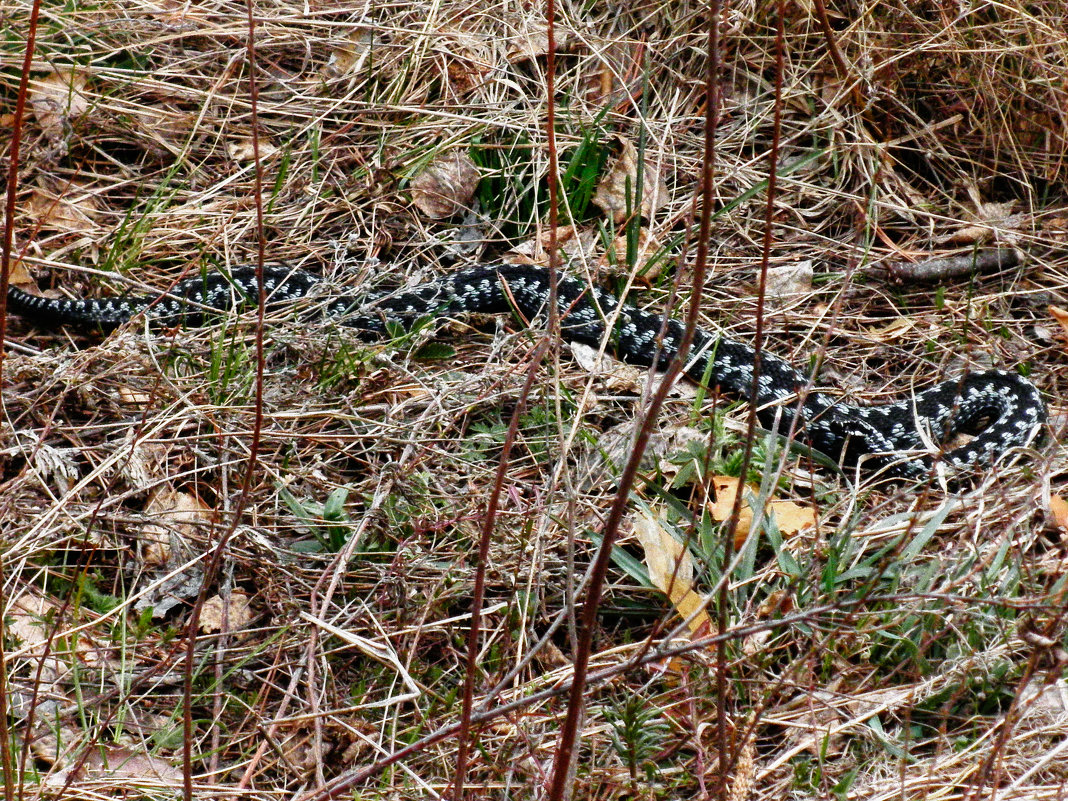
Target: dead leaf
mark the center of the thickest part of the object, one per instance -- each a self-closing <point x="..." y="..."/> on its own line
<point x="618" y="187"/>
<point x="238" y="613"/>
<point x="616" y="76"/>
<point x="1058" y="507"/>
<point x="177" y="513"/>
<point x="446" y="186"/>
<point x="143" y="465"/>
<point x="56" y="99"/>
<point x="778" y="602"/>
<point x="753" y="644"/>
<point x="1061" y="316"/>
<point x="242" y="151"/>
<point x="995" y="212"/>
<point x="119" y="762"/>
<point x="176" y="16"/>
<point x="791" y="518"/>
<point x="573" y="243"/>
<point x="671" y="570"/>
<point x="467" y="59"/>
<point x="532" y="40"/>
<point x="617" y="376"/>
<point x="789" y="280"/>
<point x="464" y="75"/>
<point x="34" y="624"/>
<point x="1042" y="698"/>
<point x="604" y="462"/>
<point x="989" y="219"/>
<point x="1056" y="227"/>
<point x="726" y="489"/>
<point x="75" y="210"/>
<point x="165" y="123"/>
<point x="970" y="235"/>
<point x="19" y="275"/>
<point x="350" y="55"/>
<point x="28" y="620"/>
<point x="56" y="463"/>
<point x="814" y="725"/>
<point x="178" y="584"/>
<point x="134" y="397"/>
<point x="892" y="330"/>
<point x="670" y="566"/>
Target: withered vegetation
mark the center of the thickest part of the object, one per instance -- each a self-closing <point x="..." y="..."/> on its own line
<point x="908" y="644"/>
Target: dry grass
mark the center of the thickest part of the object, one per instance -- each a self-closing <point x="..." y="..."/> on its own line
<point x="911" y="647"/>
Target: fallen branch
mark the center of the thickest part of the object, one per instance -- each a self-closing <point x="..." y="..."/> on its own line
<point x="977" y="261"/>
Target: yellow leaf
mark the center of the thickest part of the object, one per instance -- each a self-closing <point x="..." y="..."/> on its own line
<point x="791" y="518"/>
<point x="1061" y="316"/>
<point x="726" y="488"/>
<point x="671" y="570"/>
<point x="1058" y="507"/>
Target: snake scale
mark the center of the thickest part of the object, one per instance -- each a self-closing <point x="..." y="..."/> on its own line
<point x="1002" y="409"/>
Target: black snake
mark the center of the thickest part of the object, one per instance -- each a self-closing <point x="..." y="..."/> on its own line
<point x="1003" y="409"/>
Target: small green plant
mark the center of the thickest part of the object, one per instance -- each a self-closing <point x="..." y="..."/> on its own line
<point x="343" y="361"/>
<point x="537" y="431"/>
<point x="512" y="193"/>
<point x="340" y="363"/>
<point x="327" y="521"/>
<point x="485" y="437"/>
<point x="638" y="734"/>
<point x="230" y="368"/>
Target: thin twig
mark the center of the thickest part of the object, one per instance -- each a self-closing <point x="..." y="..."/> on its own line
<point x="478" y="594"/>
<point x="211" y="570"/>
<point x="588" y="619"/>
<point x="726" y="755"/>
<point x="840" y="65"/>
<point x="10" y="781"/>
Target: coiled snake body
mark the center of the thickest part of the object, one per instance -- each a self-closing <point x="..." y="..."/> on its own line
<point x="1003" y="407"/>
